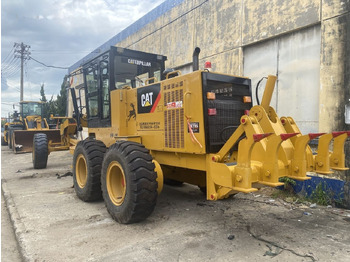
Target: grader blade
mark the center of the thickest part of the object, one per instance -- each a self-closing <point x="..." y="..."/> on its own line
<point x="23" y="139"/>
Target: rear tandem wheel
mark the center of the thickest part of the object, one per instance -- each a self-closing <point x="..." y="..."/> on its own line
<point x="128" y="181"/>
<point x="87" y="162"/>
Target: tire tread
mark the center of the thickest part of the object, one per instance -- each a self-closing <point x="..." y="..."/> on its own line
<point x="142" y="192"/>
<point x="93" y="151"/>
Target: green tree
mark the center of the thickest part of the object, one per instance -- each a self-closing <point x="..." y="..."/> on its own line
<point x="52" y="107"/>
<point x="42" y="93"/>
<point x="62" y="98"/>
<point x="58" y="106"/>
<point x="46" y="113"/>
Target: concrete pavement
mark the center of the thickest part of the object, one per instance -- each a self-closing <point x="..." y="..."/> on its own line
<point x="52" y="224"/>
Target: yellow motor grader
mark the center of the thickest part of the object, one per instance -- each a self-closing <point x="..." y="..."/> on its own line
<point x="20" y="135"/>
<point x="199" y="128"/>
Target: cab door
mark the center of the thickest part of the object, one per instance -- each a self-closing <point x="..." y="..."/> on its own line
<point x="97" y="84"/>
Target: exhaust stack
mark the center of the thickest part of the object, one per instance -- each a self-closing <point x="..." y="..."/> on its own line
<point x="195" y="58"/>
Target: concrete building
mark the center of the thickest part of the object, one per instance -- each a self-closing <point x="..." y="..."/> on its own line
<point x="304" y="43"/>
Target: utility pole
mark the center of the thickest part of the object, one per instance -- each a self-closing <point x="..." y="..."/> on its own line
<point x="22" y="51"/>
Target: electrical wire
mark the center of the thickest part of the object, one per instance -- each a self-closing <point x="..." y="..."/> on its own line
<point x="7" y="55"/>
<point x="51" y="66"/>
<point x="9" y="65"/>
<point x="172" y="21"/>
<point x="9" y="75"/>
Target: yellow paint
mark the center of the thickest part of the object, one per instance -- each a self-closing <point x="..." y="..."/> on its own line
<point x="265" y="153"/>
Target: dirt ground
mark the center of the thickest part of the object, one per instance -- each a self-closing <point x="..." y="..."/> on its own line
<point x="52" y="224"/>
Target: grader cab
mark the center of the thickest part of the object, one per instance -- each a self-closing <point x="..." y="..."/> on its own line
<point x="199" y="128"/>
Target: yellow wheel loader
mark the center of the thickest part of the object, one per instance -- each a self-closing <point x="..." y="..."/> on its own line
<point x="11" y="124"/>
<point x="31" y="122"/>
<point x="199" y="128"/>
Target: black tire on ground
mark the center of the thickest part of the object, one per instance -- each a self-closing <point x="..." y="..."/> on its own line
<point x="3" y="142"/>
<point x="10" y="134"/>
<point x="9" y="138"/>
<point x="40" y="151"/>
<point x="87" y="164"/>
<point x="128" y="180"/>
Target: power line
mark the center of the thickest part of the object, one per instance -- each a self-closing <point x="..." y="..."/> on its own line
<point x="8" y="75"/>
<point x="7" y="103"/>
<point x="10" y="64"/>
<point x="55" y="52"/>
<point x="58" y="67"/>
<point x="9" y="67"/>
<point x="11" y="71"/>
<point x="8" y="55"/>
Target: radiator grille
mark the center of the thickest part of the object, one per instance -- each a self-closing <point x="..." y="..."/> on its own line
<point x="229" y="109"/>
<point x="226" y="121"/>
<point x="173" y="116"/>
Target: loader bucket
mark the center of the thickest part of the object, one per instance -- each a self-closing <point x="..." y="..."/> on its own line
<point x="23" y="139"/>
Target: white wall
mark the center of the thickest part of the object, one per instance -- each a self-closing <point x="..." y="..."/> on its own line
<point x="295" y="59"/>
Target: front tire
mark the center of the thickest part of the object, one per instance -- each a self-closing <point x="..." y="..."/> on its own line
<point x="40" y="151"/>
<point x="128" y="181"/>
<point x="87" y="163"/>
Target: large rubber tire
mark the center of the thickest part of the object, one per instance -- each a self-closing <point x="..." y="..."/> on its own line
<point x="129" y="185"/>
<point x="3" y="142"/>
<point x="9" y="137"/>
<point x="87" y="163"/>
<point x="40" y="151"/>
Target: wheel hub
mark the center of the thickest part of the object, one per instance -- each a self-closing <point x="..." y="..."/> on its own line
<point x="116" y="183"/>
<point x="81" y="171"/>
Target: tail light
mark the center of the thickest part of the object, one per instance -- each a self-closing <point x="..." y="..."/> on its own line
<point x="211" y="96"/>
<point x="212" y="111"/>
<point x="247" y="99"/>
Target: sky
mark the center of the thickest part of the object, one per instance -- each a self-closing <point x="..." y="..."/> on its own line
<point x="59" y="33"/>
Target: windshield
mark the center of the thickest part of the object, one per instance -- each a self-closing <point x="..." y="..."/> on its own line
<point x="134" y="72"/>
<point x="31" y="109"/>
